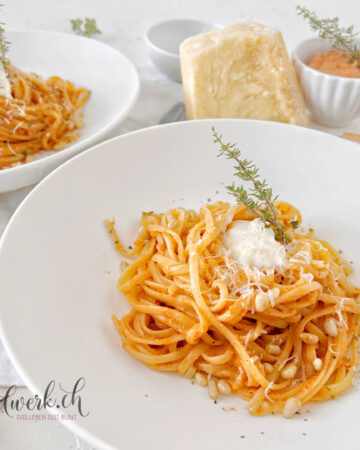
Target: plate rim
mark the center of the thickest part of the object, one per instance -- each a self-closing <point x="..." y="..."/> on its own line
<point x="95" y="146"/>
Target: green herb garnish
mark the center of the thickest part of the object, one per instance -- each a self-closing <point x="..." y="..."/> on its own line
<point x="343" y="39"/>
<point x="4" y="45"/>
<point x="294" y="224"/>
<point x="85" y="27"/>
<point x="260" y="198"/>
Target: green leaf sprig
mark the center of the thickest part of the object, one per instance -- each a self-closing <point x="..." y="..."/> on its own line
<point x="343" y="39"/>
<point x="4" y="45"/>
<point x="85" y="27"/>
<point x="260" y="198"/>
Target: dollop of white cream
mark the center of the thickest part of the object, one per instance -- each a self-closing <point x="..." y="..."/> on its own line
<point x="5" y="88"/>
<point x="252" y="245"/>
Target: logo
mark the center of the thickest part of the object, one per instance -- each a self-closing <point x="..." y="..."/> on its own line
<point x="35" y="407"/>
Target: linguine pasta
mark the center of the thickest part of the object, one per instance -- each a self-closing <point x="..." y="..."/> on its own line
<point x="278" y="338"/>
<point x="41" y="115"/>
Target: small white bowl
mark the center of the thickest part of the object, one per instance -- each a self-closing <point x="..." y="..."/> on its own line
<point x="164" y="38"/>
<point x="333" y="101"/>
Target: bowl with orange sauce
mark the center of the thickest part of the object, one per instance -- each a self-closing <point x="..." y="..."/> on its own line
<point x="330" y="83"/>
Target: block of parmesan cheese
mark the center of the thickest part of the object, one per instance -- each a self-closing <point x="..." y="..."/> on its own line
<point x="240" y="71"/>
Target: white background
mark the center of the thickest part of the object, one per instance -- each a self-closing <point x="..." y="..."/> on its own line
<point x="123" y="23"/>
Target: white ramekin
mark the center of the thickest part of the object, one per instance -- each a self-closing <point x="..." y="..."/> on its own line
<point x="164" y="38"/>
<point x="333" y="101"/>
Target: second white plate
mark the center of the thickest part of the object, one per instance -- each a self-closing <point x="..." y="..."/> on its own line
<point x="110" y="76"/>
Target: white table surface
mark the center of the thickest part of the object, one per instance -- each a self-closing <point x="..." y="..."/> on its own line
<point x="123" y="23"/>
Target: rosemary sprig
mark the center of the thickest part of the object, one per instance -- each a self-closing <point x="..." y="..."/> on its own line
<point x="343" y="39"/>
<point x="86" y="28"/>
<point x="260" y="198"/>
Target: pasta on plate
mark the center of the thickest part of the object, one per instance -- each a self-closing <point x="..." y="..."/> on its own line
<point x="278" y="338"/>
<point x="39" y="115"/>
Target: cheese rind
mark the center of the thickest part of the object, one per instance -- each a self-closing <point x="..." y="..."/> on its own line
<point x="240" y="71"/>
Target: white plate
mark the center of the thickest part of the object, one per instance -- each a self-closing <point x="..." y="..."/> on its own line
<point x="59" y="271"/>
<point x="110" y="75"/>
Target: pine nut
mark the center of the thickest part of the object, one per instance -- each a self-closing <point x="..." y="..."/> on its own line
<point x="273" y="349"/>
<point x="212" y="388"/>
<point x="224" y="387"/>
<point x="330" y="327"/>
<point x="317" y="363"/>
<point x="201" y="379"/>
<point x="262" y="302"/>
<point x="309" y="338"/>
<point x="276" y="292"/>
<point x="291" y="407"/>
<point x="289" y="371"/>
<point x="268" y="367"/>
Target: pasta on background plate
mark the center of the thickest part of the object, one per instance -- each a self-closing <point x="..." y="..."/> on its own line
<point x="37" y="115"/>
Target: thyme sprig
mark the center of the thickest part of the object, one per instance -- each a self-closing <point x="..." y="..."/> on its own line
<point x="4" y="45"/>
<point x="260" y="198"/>
<point x="85" y="27"/>
<point x="343" y="39"/>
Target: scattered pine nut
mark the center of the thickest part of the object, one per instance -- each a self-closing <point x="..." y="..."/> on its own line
<point x="262" y="302"/>
<point x="330" y="327"/>
<point x="289" y="371"/>
<point x="223" y="387"/>
<point x="291" y="407"/>
<point x="268" y="367"/>
<point x="212" y="388"/>
<point x="317" y="363"/>
<point x="201" y="379"/>
<point x="273" y="349"/>
<point x="309" y="338"/>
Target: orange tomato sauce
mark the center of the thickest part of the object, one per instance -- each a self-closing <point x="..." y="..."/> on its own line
<point x="336" y="63"/>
